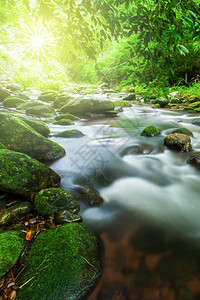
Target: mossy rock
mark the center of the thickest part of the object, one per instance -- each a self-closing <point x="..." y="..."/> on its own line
<point x="66" y="116"/>
<point x="12" y="102"/>
<point x="183" y="130"/>
<point x="40" y="110"/>
<point x="23" y="175"/>
<point x="74" y="133"/>
<point x="14" y="213"/>
<point x="150" y="130"/>
<point x="121" y="103"/>
<point x="194" y="105"/>
<point x="50" y="201"/>
<point x="130" y="97"/>
<point x="197" y="109"/>
<point x="23" y="96"/>
<point x="27" y="105"/>
<point x="64" y="263"/>
<point x="84" y="106"/>
<point x="11" y="245"/>
<point x="37" y="125"/>
<point x="162" y="101"/>
<point x="178" y="141"/>
<point x="64" y="122"/>
<point x="88" y="195"/>
<point x="47" y="97"/>
<point x="4" y="94"/>
<point x="19" y="136"/>
<point x="62" y="100"/>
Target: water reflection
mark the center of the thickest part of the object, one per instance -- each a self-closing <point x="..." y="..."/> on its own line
<point x="150" y="219"/>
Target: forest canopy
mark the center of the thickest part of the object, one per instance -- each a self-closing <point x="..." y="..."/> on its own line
<point x="124" y="42"/>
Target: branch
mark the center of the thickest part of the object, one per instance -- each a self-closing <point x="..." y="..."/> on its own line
<point x="109" y="70"/>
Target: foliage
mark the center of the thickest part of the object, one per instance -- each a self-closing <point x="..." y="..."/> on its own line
<point x="144" y="41"/>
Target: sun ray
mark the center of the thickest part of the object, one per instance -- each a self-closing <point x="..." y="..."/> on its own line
<point x="39" y="41"/>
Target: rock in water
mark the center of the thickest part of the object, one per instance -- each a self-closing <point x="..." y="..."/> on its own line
<point x="150" y="130"/>
<point x="11" y="245"/>
<point x="83" y="106"/>
<point x="19" y="136"/>
<point x="49" y="201"/>
<point x="23" y="175"/>
<point x="178" y="141"/>
<point x="64" y="263"/>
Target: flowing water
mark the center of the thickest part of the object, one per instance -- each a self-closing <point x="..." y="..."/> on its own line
<point x="149" y="222"/>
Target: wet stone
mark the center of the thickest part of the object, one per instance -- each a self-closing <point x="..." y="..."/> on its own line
<point x="49" y="201"/>
<point x="178" y="141"/>
<point x="14" y="213"/>
<point x="64" y="216"/>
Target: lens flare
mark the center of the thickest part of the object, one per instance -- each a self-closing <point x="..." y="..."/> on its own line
<point x="38" y="41"/>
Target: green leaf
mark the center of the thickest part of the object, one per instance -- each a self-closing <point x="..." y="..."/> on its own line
<point x="184" y="49"/>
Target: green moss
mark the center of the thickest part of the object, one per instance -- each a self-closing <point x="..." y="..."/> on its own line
<point x="64" y="122"/>
<point x="12" y="102"/>
<point x="84" y="106"/>
<point x="11" y="245"/>
<point x="66" y="116"/>
<point x="74" y="133"/>
<point x="183" y="131"/>
<point x="197" y="109"/>
<point x="47" y="97"/>
<point x="27" y="105"/>
<point x="49" y="201"/>
<point x="150" y="130"/>
<point x="195" y="105"/>
<point x="18" y="136"/>
<point x="14" y="213"/>
<point x="61" y="101"/>
<point x="121" y="103"/>
<point x="63" y="262"/>
<point x="20" y="174"/>
<point x="40" y="110"/>
<point x="4" y="94"/>
<point x="37" y="125"/>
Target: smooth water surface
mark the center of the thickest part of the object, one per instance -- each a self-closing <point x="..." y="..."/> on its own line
<point x="150" y="219"/>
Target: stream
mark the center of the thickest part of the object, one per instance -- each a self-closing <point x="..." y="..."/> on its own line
<point x="149" y="222"/>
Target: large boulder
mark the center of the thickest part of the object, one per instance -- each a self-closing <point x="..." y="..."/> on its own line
<point x="62" y="100"/>
<point x="11" y="245"/>
<point x="40" y="110"/>
<point x="50" y="201"/>
<point x="19" y="136"/>
<point x="178" y="141"/>
<point x="47" y="97"/>
<point x="39" y="126"/>
<point x="23" y="175"/>
<point x="28" y="104"/>
<point x="12" y="102"/>
<point x="83" y="106"/>
<point x="4" y="94"/>
<point x="64" y="263"/>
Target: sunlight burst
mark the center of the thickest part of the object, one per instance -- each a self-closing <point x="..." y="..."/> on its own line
<point x="38" y="41"/>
